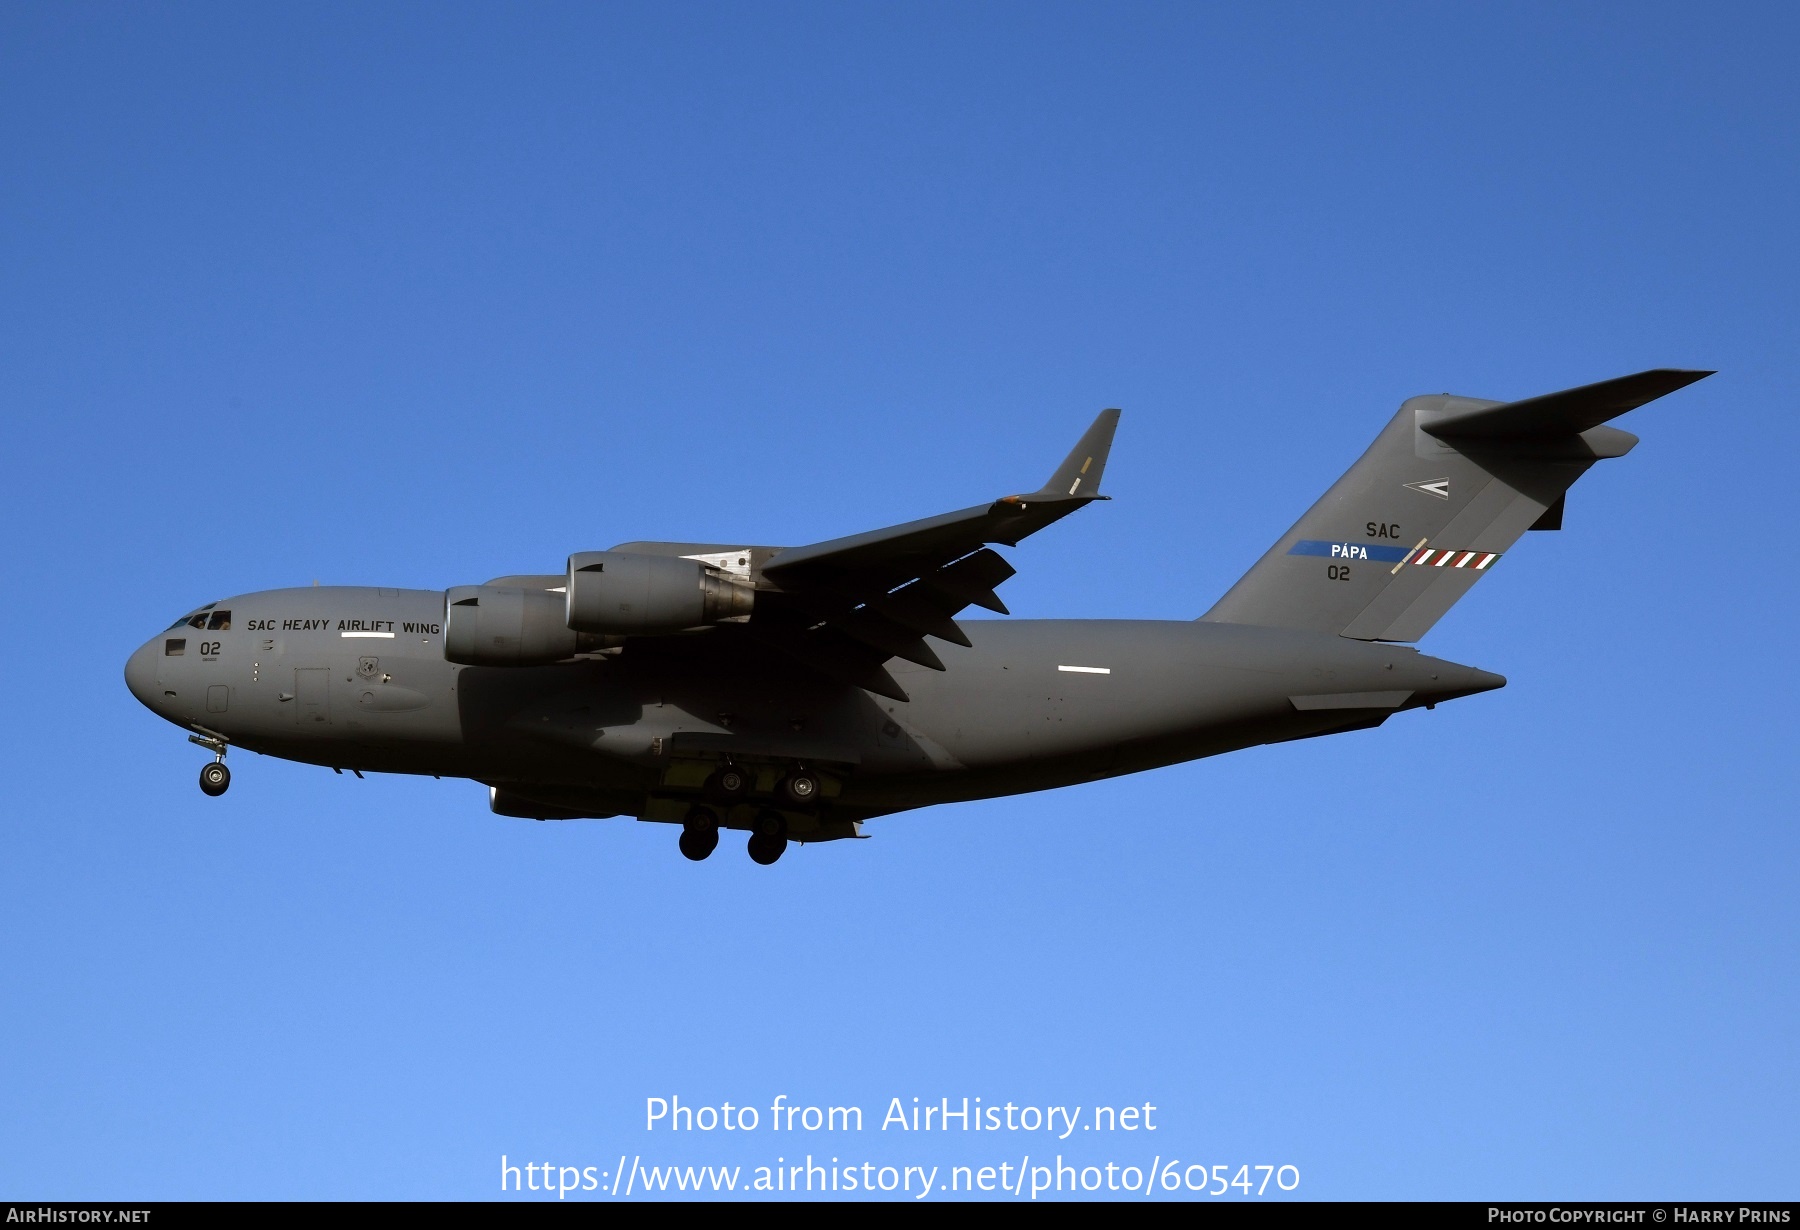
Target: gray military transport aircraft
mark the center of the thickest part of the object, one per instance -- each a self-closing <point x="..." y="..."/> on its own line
<point x="794" y="692"/>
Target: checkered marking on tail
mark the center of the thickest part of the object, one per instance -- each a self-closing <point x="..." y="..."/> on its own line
<point x="1438" y="557"/>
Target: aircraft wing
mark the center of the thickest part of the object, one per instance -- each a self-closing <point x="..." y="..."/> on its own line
<point x="848" y="605"/>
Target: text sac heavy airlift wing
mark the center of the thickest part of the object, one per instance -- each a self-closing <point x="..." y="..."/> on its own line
<point x="846" y="606"/>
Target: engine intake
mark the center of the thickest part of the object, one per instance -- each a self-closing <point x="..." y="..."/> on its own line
<point x="504" y="625"/>
<point x="620" y="593"/>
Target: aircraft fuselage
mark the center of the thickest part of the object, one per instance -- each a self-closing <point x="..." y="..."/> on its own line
<point x="356" y="679"/>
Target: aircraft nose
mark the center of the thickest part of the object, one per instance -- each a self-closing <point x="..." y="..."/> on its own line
<point x="140" y="674"/>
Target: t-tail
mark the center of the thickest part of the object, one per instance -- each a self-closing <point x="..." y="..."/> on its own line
<point x="1433" y="506"/>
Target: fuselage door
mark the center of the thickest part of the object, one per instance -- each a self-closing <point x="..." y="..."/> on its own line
<point x="312" y="694"/>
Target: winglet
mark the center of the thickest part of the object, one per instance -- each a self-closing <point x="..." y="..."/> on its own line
<point x="1079" y="474"/>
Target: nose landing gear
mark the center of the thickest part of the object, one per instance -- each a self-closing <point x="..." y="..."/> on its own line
<point x="215" y="778"/>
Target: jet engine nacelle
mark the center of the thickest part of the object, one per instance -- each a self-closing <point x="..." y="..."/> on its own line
<point x="620" y="593"/>
<point x="503" y="625"/>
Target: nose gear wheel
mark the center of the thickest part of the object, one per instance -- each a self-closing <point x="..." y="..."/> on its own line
<point x="215" y="779"/>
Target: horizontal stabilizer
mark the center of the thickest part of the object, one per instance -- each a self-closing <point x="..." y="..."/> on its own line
<point x="1568" y="413"/>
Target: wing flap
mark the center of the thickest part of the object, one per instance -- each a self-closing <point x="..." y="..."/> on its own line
<point x="923" y="611"/>
<point x="971" y="580"/>
<point x="833" y="655"/>
<point x="850" y="604"/>
<point x="847" y="605"/>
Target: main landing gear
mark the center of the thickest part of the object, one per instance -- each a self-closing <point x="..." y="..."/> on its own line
<point x="799" y="788"/>
<point x="768" y="839"/>
<point x="728" y="785"/>
<point x="700" y="833"/>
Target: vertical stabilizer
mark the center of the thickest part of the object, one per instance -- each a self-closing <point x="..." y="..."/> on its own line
<point x="1432" y="507"/>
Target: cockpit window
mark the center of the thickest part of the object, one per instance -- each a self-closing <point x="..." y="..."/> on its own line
<point x="174" y="647"/>
<point x="205" y="620"/>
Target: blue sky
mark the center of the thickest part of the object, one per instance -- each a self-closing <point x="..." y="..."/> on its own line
<point x="418" y="295"/>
